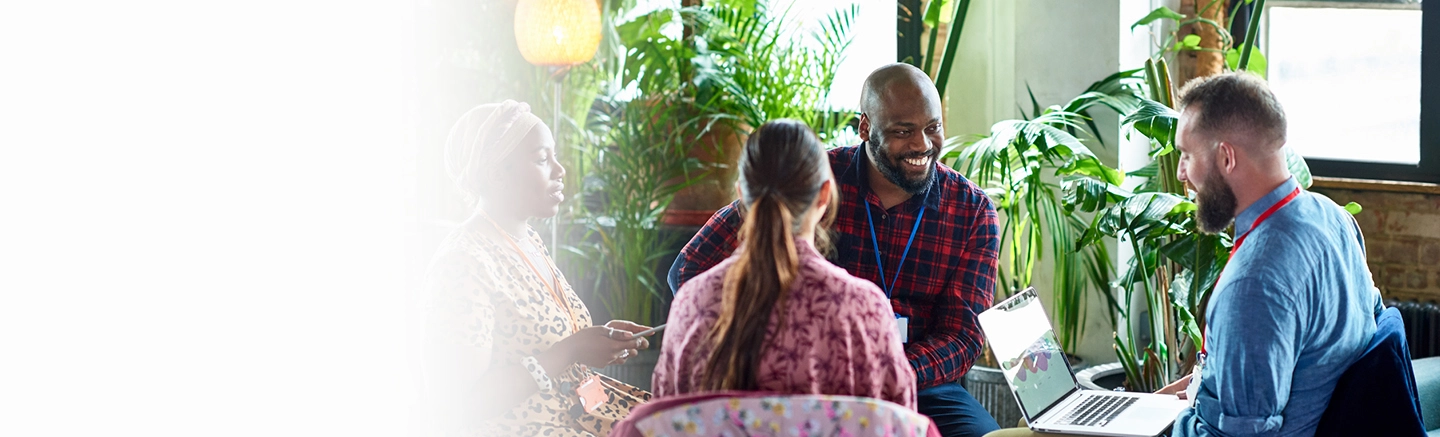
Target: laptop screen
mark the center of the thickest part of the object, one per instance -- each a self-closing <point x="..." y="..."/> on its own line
<point x="1024" y="343"/>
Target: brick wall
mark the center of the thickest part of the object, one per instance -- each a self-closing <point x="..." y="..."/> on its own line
<point x="1401" y="223"/>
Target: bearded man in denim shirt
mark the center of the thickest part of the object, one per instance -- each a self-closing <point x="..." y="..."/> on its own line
<point x="1296" y="305"/>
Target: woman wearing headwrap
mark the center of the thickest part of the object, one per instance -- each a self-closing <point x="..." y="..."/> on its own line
<point x="510" y="349"/>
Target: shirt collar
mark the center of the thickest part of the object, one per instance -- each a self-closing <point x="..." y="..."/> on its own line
<point x="1246" y="220"/>
<point x="857" y="174"/>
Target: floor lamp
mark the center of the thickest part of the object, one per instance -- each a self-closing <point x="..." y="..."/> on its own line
<point x="557" y="34"/>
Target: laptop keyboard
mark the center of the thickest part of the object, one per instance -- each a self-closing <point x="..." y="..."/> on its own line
<point x="1097" y="410"/>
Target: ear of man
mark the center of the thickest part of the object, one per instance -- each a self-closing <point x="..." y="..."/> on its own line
<point x="864" y="129"/>
<point x="1226" y="153"/>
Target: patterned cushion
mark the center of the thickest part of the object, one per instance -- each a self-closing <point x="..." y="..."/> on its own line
<point x="798" y="416"/>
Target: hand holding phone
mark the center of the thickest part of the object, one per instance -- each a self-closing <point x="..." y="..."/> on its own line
<point x="650" y="331"/>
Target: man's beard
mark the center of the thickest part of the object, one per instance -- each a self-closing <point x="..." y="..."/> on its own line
<point x="893" y="172"/>
<point x="1216" y="204"/>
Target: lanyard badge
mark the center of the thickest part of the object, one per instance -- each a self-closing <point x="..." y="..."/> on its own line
<point x="902" y="323"/>
<point x="1193" y="389"/>
<point x="902" y="328"/>
<point x="592" y="394"/>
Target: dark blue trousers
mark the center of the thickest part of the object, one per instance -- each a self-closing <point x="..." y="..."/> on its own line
<point x="955" y="412"/>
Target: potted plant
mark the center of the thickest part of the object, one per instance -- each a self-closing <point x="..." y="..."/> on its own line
<point x="674" y="109"/>
<point x="742" y="63"/>
<point x="1021" y="165"/>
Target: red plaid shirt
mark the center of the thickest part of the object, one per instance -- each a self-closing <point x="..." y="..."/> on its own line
<point x="947" y="279"/>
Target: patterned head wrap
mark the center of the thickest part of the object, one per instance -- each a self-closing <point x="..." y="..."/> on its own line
<point x="482" y="139"/>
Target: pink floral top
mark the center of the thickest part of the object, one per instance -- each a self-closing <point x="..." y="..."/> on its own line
<point x="838" y="337"/>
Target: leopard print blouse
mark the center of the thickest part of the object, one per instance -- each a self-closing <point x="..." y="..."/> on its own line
<point x="486" y="296"/>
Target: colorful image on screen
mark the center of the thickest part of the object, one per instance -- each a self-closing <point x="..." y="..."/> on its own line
<point x="1038" y="374"/>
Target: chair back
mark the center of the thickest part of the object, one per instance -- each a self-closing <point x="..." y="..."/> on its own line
<point x="769" y="414"/>
<point x="1376" y="395"/>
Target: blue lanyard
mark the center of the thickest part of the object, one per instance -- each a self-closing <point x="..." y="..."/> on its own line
<point x="880" y="264"/>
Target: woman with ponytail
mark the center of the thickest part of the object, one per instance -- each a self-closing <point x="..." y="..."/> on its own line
<point x="776" y="316"/>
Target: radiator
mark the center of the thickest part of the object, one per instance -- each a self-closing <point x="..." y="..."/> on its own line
<point x="1422" y="326"/>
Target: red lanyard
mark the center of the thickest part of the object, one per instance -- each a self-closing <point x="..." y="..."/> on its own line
<point x="1261" y="219"/>
<point x="1241" y="240"/>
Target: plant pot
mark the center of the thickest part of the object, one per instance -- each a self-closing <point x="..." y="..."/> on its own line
<point x="636" y="371"/>
<point x="718" y="149"/>
<point x="1108" y="376"/>
<point x="987" y="385"/>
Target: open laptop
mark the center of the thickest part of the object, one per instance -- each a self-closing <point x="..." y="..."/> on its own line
<point x="1023" y="341"/>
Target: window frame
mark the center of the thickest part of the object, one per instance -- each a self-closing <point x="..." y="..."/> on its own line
<point x="1428" y="169"/>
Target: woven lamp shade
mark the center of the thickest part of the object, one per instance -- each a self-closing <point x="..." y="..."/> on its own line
<point x="557" y="32"/>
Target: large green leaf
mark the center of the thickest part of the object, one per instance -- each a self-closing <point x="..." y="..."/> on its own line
<point x="1157" y="14"/>
<point x="645" y="27"/>
<point x="933" y="13"/>
<point x="1119" y="91"/>
<point x="1353" y="208"/>
<point x="1047" y="132"/>
<point x="1140" y="267"/>
<point x="1155" y="121"/>
<point x="1144" y="215"/>
<point x="1090" y="195"/>
<point x="1150" y="173"/>
<point x="1150" y="170"/>
<point x="954" y="145"/>
<point x="1123" y="82"/>
<point x="1123" y="101"/>
<point x="1039" y="137"/>
<point x="651" y="56"/>
<point x="1091" y="166"/>
<point x="1179" y="294"/>
<point x="1191" y="42"/>
<point x="1202" y="255"/>
<point x="982" y="159"/>
<point x="1257" y="61"/>
<point x="1298" y="167"/>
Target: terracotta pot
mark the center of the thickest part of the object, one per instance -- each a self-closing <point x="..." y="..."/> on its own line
<point x="718" y="149"/>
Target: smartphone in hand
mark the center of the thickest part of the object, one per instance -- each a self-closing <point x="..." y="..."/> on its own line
<point x="650" y="331"/>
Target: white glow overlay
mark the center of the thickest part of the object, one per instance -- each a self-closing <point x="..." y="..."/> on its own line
<point x="203" y="216"/>
<point x="1349" y="80"/>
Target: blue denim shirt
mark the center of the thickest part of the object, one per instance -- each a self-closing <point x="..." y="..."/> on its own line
<point x="1292" y="310"/>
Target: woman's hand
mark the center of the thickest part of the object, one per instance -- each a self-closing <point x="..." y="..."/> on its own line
<point x="596" y="346"/>
<point x="628" y="329"/>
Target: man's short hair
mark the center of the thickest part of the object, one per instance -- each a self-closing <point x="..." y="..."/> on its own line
<point x="1235" y="103"/>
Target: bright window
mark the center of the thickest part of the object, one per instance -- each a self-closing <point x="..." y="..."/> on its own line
<point x="1348" y="75"/>
<point x="873" y="45"/>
